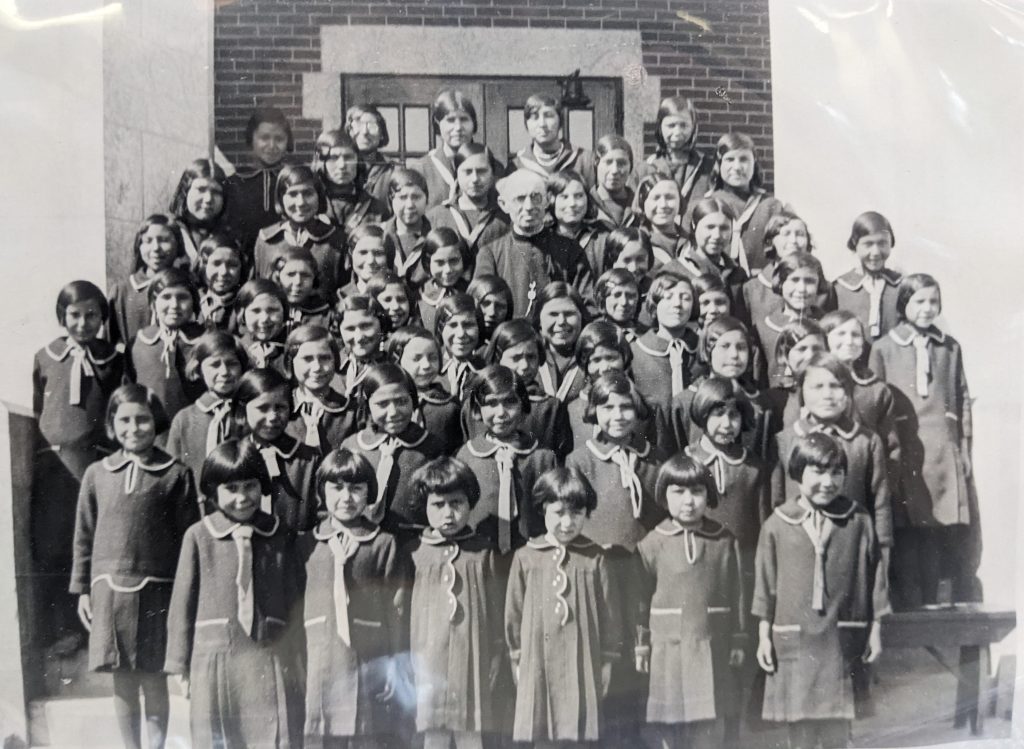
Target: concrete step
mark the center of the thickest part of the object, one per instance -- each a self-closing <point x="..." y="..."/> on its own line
<point x="86" y="722"/>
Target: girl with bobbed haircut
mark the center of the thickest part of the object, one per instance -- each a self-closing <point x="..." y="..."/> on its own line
<point x="558" y="290"/>
<point x="374" y="171"/>
<point x="716" y="392"/>
<point x="613" y="383"/>
<point x="706" y="207"/>
<point x="566" y="485"/>
<point x="293" y="175"/>
<point x="212" y="343"/>
<point x="252" y="385"/>
<point x="436" y="165"/>
<point x="558" y="182"/>
<point x="271" y="116"/>
<point x="869" y="222"/>
<point x="363" y="303"/>
<point x="444" y="237"/>
<point x="735" y="142"/>
<point x="200" y="169"/>
<point x="138" y="394"/>
<point x="790" y="264"/>
<point x="443" y="475"/>
<point x="79" y="292"/>
<point x="167" y="222"/>
<point x="354" y="113"/>
<point x="831" y="364"/>
<point x="683" y="470"/>
<point x="674" y="106"/>
<point x="601" y="334"/>
<point x="381" y="375"/>
<point x="610" y="280"/>
<point x="912" y="284"/>
<point x="489" y="285"/>
<point x="232" y="460"/>
<point x="343" y="466"/>
<point x="513" y="333"/>
<point x="616" y="242"/>
<point x="819" y="451"/>
<point x="496" y="380"/>
<point x="210" y="244"/>
<point x="452" y="305"/>
<point x="795" y="332"/>
<point x="450" y="100"/>
<point x="311" y="334"/>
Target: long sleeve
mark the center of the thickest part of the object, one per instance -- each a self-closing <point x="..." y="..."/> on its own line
<point x="646" y="583"/>
<point x="765" y="577"/>
<point x="38" y="388"/>
<point x="777" y="482"/>
<point x="880" y="492"/>
<point x="187" y="501"/>
<point x="737" y="585"/>
<point x="515" y="596"/>
<point x="609" y="610"/>
<point x="85" y="533"/>
<point x="181" y="615"/>
<point x="583" y="279"/>
<point x="485" y="263"/>
<point x="963" y="397"/>
<point x="495" y="597"/>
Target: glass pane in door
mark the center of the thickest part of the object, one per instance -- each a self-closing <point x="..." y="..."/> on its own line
<point x="581" y="128"/>
<point x="390" y="115"/>
<point x="417" y="130"/>
<point x="518" y="138"/>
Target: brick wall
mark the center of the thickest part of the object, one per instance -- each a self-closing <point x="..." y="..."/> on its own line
<point x="262" y="48"/>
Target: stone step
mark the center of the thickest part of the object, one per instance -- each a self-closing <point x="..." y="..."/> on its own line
<point x="87" y="722"/>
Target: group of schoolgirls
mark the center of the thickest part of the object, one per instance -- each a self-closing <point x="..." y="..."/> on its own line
<point x="423" y="455"/>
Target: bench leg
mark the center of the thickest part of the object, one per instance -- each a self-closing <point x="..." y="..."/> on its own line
<point x="972" y="688"/>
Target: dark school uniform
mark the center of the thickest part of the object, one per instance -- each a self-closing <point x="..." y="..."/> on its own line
<point x="547" y="420"/>
<point x="693" y="176"/>
<point x="476" y="226"/>
<point x="291" y="466"/>
<point x="661" y="368"/>
<point x="591" y="237"/>
<point x="580" y="160"/>
<point x="395" y="458"/>
<point x="815" y="642"/>
<point x="759" y="298"/>
<point x="245" y="674"/>
<point x="349" y="207"/>
<point x="313" y="310"/>
<point x="692" y="616"/>
<point x="266" y="354"/>
<point x="614" y="214"/>
<point x="157" y="357"/>
<point x="867" y="474"/>
<point x="408" y="246"/>
<point x="623" y="476"/>
<point x="856" y="292"/>
<point x="768" y="329"/>
<point x="561" y="626"/>
<point x="752" y="210"/>
<point x="321" y="421"/>
<point x="324" y="240"/>
<point x="438" y="170"/>
<point x="133" y="511"/>
<point x="440" y="413"/>
<point x="217" y="311"/>
<point x="130" y="311"/>
<point x="71" y="384"/>
<point x="456" y="631"/>
<point x="249" y="203"/>
<point x="506" y="472"/>
<point x="675" y="429"/>
<point x="373" y="176"/>
<point x="456" y="374"/>
<point x="351" y="373"/>
<point x="732" y="275"/>
<point x="937" y="511"/>
<point x="559" y="377"/>
<point x="528" y="264"/>
<point x="351" y="610"/>
<point x="198" y="428"/>
<point x="875" y="408"/>
<point x="431" y="295"/>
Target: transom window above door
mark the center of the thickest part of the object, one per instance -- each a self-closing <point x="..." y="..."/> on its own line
<point x="405" y="103"/>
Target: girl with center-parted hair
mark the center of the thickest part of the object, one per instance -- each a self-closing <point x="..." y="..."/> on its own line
<point x="548" y="151"/>
<point x="346" y="203"/>
<point x="417" y="352"/>
<point x="559" y="315"/>
<point x="506" y="456"/>
<point x="369" y="131"/>
<point x="447" y="261"/>
<point x="298" y="275"/>
<point x="352" y="608"/>
<point x="676" y="155"/>
<point x="601" y="348"/>
<point x="617" y="295"/>
<point x="198" y="204"/>
<point x="710" y="229"/>
<point x="784" y="234"/>
<point x="473" y="211"/>
<point x="133" y="509"/>
<point x="249" y="192"/>
<point x="220" y="270"/>
<point x="263" y="405"/>
<point x="455" y="124"/>
<point x="230" y="630"/>
<point x="299" y="199"/>
<point x="260" y="308"/>
<point x="493" y="299"/>
<point x="693" y="614"/>
<point x="737" y="179"/>
<point x="870" y="290"/>
<point x="457" y="330"/>
<point x="657" y="203"/>
<point x="362" y="325"/>
<point x="611" y="196"/>
<point x="408" y="226"/>
<point x="574" y="215"/>
<point x="394" y="444"/>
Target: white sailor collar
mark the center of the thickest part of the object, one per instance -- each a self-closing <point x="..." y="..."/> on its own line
<point x="368" y="439"/>
<point x="708" y="528"/>
<point x="319" y="223"/>
<point x="140" y="281"/>
<point x="777" y="320"/>
<point x="326" y="530"/>
<point x="644" y="343"/>
<point x="854" y="279"/>
<point x="866" y="379"/>
<point x="150" y="335"/>
<point x="208" y="401"/>
<point x="606" y="455"/>
<point x="436" y="395"/>
<point x="432" y="537"/>
<point x="485" y="447"/>
<point x="795" y="513"/>
<point x="68" y="347"/>
<point x="904" y="334"/>
<point x="220" y="525"/>
<point x="334" y="403"/>
<point x="697" y="451"/>
<point x="542" y="542"/>
<point x="285" y="446"/>
<point x="802" y="427"/>
<point x="157" y="461"/>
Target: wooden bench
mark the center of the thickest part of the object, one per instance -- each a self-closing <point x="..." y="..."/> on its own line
<point x="971" y="627"/>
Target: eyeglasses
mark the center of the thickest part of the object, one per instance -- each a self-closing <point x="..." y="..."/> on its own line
<point x="369" y="124"/>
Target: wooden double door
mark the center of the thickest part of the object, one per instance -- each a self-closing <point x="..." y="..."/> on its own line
<point x="405" y="102"/>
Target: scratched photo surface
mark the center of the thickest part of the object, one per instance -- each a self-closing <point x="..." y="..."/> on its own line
<point x="908" y="109"/>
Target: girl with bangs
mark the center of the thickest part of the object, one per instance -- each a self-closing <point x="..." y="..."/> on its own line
<point x="198" y="205"/>
<point x="336" y="163"/>
<point x="676" y="154"/>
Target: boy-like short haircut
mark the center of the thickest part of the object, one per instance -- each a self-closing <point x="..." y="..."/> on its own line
<point x="443" y="475"/>
<point x="819" y="450"/>
<point x="567" y="485"/>
<point x="232" y="460"/>
<point x="342" y="466"/>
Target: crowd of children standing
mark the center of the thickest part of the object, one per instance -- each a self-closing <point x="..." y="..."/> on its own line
<point x="559" y="451"/>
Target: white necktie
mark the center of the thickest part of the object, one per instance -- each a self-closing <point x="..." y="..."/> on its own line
<point x="311" y="412"/>
<point x="818" y="528"/>
<point x="170" y="340"/>
<point x="217" y="432"/>
<point x="343" y="547"/>
<point x="387" y="448"/>
<point x="924" y="365"/>
<point x="675" y="360"/>
<point x="875" y="286"/>
<point x="80" y="367"/>
<point x="626" y="460"/>
<point x="242" y="535"/>
<point x="507" y="509"/>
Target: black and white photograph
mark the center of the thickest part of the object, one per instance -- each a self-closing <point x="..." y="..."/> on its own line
<point x="485" y="374"/>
